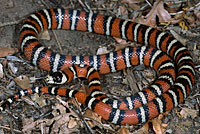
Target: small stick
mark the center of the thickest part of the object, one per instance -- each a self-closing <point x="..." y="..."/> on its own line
<point x="18" y="131"/>
<point x="9" y="23"/>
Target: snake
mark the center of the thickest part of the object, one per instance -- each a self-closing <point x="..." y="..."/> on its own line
<point x="161" y="51"/>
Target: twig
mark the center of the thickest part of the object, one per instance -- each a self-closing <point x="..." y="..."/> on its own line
<point x="11" y="127"/>
<point x="190" y="9"/>
<point x="71" y="1"/>
<point x="81" y="3"/>
<point x="9" y="23"/>
<point x="78" y="112"/>
<point x="44" y="3"/>
<point x="101" y="9"/>
<point x="88" y="7"/>
<point x="84" y="5"/>
<point x="17" y="131"/>
<point x="148" y="3"/>
<point x="194" y="96"/>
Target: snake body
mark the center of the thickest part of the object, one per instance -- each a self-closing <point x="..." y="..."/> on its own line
<point x="175" y="77"/>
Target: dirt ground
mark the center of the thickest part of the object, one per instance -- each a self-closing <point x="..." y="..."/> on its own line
<point x="36" y="113"/>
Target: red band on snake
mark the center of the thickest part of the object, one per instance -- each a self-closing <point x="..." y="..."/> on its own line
<point x="149" y="105"/>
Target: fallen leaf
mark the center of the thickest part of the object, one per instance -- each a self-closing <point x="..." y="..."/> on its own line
<point x="144" y="129"/>
<point x="7" y="51"/>
<point x="102" y="50"/>
<point x="28" y="123"/>
<point x="120" y="40"/>
<point x="39" y="99"/>
<point x="123" y="130"/>
<point x="55" y="123"/>
<point x="29" y="126"/>
<point x="122" y="43"/>
<point x="157" y="10"/>
<point x="89" y="113"/>
<point x="23" y="81"/>
<point x="59" y="122"/>
<point x="72" y="123"/>
<point x="185" y="112"/>
<point x="44" y="35"/>
<point x="158" y="126"/>
<point x="61" y="108"/>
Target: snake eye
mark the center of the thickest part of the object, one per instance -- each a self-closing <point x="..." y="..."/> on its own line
<point x="57" y="77"/>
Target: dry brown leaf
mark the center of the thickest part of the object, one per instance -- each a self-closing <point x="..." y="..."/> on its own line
<point x="124" y="130"/>
<point x="185" y="112"/>
<point x="102" y="50"/>
<point x="39" y="99"/>
<point x="160" y="116"/>
<point x="157" y="10"/>
<point x="89" y="113"/>
<point x="61" y="108"/>
<point x="144" y="129"/>
<point x="158" y="126"/>
<point x="55" y="123"/>
<point x="72" y="123"/>
<point x="30" y="124"/>
<point x="122" y="43"/>
<point x="44" y="35"/>
<point x="23" y="81"/>
<point x="26" y="121"/>
<point x="62" y="119"/>
<point x="120" y="40"/>
<point x="7" y="51"/>
<point x="59" y="122"/>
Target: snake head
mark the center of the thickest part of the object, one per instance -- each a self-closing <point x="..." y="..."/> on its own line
<point x="56" y="78"/>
